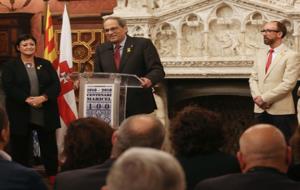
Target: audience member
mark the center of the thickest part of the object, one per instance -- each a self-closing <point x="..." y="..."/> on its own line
<point x="196" y="136"/>
<point x="12" y="174"/>
<point x="135" y="131"/>
<point x="87" y="142"/>
<point x="294" y="169"/>
<point x="264" y="158"/>
<point x="145" y="169"/>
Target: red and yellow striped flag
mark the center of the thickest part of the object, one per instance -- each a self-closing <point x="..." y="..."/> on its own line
<point x="50" y="52"/>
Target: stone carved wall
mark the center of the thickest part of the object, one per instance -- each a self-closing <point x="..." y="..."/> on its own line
<point x="208" y="38"/>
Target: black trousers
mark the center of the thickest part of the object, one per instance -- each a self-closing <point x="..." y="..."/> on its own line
<point x="21" y="148"/>
<point x="285" y="123"/>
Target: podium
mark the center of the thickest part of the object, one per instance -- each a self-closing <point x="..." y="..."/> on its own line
<point x="103" y="95"/>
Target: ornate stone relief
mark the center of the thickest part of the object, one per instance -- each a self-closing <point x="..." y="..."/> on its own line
<point x="166" y="40"/>
<point x="192" y="43"/>
<point x="209" y="33"/>
<point x="280" y="2"/>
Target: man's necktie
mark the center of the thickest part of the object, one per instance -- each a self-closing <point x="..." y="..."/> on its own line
<point x="117" y="56"/>
<point x="269" y="61"/>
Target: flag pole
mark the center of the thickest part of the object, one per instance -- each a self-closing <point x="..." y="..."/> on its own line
<point x="46" y="3"/>
<point x="66" y="99"/>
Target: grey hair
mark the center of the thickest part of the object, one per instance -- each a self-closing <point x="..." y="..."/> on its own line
<point x="146" y="169"/>
<point x="120" y="21"/>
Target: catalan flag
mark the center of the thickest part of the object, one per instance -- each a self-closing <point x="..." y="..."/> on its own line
<point x="50" y="52"/>
<point x="63" y="65"/>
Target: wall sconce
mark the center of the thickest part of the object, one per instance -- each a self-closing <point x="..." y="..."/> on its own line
<point x="11" y="7"/>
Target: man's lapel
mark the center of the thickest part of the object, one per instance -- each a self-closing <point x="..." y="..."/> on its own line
<point x="109" y="58"/>
<point x="127" y="52"/>
<point x="278" y="57"/>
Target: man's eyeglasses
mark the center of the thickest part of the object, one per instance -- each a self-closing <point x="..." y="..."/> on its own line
<point x="268" y="31"/>
<point x="113" y="29"/>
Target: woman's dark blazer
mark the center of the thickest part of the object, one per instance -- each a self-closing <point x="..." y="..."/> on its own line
<point x="16" y="86"/>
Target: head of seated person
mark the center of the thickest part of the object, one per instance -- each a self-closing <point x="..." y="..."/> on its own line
<point x="145" y="169"/>
<point x="195" y="130"/>
<point x="263" y="145"/>
<point x="87" y="142"/>
<point x="140" y="130"/>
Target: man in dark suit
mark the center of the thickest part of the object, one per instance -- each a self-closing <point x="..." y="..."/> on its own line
<point x="130" y="55"/>
<point x="12" y="174"/>
<point x="135" y="131"/>
<point x="264" y="158"/>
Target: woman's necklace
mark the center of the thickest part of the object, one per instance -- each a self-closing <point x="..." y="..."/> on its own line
<point x="29" y="62"/>
<point x="29" y="65"/>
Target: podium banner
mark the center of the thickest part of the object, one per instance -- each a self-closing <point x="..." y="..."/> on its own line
<point x="98" y="101"/>
<point x="103" y="95"/>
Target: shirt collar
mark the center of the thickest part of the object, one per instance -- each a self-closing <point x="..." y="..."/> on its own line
<point x="122" y="43"/>
<point x="264" y="169"/>
<point x="277" y="49"/>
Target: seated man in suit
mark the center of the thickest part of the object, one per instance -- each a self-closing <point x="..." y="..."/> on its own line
<point x="135" y="131"/>
<point x="264" y="158"/>
<point x="12" y="174"/>
<point x="145" y="169"/>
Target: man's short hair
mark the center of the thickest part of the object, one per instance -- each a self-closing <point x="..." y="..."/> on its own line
<point x="146" y="169"/>
<point x="281" y="28"/>
<point x="134" y="132"/>
<point x="120" y="21"/>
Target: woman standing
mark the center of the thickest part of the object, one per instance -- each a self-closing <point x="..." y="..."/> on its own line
<point x="31" y="86"/>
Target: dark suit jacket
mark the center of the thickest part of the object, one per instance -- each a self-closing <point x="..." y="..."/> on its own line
<point x="140" y="58"/>
<point x="294" y="172"/>
<point x="13" y="176"/>
<point x="16" y="86"/>
<point x="91" y="178"/>
<point x="203" y="166"/>
<point x="258" y="179"/>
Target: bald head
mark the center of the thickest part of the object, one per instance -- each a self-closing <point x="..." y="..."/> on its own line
<point x="263" y="145"/>
<point x="141" y="123"/>
<point x="139" y="131"/>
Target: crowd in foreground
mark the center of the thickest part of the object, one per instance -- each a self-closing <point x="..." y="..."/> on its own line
<point x="133" y="157"/>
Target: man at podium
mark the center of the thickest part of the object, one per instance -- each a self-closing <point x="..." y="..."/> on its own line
<point x="130" y="55"/>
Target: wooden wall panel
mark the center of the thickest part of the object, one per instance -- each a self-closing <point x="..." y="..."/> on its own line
<point x="11" y="26"/>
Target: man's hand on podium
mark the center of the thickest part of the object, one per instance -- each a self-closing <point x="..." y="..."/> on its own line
<point x="145" y="82"/>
